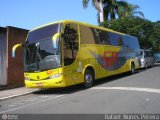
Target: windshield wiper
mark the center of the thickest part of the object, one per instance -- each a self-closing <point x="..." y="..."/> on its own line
<point x="40" y="58"/>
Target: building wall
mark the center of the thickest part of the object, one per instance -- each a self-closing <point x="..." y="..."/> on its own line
<point x="15" y="66"/>
<point x="3" y="65"/>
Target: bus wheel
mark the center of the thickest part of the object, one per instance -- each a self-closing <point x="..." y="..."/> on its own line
<point x="88" y="79"/>
<point x="132" y="68"/>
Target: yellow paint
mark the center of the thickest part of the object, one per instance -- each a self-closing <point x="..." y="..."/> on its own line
<point x="108" y="55"/>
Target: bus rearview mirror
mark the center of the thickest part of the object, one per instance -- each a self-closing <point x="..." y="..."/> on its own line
<point x="55" y="39"/>
<point x="14" y="49"/>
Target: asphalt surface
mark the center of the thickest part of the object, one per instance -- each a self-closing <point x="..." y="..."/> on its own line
<point x="138" y="93"/>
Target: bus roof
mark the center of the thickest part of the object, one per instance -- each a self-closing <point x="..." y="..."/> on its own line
<point x="80" y="23"/>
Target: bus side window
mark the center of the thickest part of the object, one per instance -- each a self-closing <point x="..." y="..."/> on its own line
<point x="113" y="39"/>
<point x="103" y="37"/>
<point x="131" y="42"/>
<point x="87" y="35"/>
<point x="71" y="44"/>
<point x="120" y="41"/>
<point x="93" y="36"/>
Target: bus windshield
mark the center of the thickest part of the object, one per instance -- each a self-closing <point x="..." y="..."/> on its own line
<point x="40" y="55"/>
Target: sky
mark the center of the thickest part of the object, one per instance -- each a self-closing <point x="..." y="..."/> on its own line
<point x="29" y="14"/>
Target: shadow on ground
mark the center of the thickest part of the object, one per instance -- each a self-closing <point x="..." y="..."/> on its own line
<point x="80" y="87"/>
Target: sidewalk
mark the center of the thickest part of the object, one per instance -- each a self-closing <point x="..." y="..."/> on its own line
<point x="15" y="92"/>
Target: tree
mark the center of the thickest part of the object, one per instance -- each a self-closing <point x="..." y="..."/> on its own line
<point x="107" y="9"/>
<point x="156" y="35"/>
<point x="98" y="4"/>
<point x="113" y="8"/>
<point x="130" y="10"/>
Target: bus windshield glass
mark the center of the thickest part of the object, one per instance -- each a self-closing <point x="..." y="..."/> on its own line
<point x="40" y="55"/>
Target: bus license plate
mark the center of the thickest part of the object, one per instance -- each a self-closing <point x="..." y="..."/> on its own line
<point x="39" y="84"/>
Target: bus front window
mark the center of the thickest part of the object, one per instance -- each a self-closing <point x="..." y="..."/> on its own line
<point x="40" y="54"/>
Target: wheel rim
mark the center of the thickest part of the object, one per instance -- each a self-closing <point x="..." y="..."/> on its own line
<point x="88" y="79"/>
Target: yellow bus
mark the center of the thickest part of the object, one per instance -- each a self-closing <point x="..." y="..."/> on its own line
<point x="66" y="53"/>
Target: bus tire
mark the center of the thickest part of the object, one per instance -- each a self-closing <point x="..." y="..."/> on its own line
<point x="133" y="70"/>
<point x="88" y="78"/>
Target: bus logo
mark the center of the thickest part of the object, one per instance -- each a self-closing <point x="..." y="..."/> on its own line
<point x="38" y="77"/>
<point x="110" y="58"/>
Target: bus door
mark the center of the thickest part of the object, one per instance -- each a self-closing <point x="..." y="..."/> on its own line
<point x="70" y="51"/>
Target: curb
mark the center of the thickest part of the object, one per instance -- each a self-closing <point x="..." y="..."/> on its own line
<point x="17" y="95"/>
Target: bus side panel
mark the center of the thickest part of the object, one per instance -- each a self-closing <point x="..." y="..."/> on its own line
<point x="105" y="59"/>
<point x="72" y="75"/>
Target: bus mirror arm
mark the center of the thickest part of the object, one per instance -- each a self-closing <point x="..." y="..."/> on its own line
<point x="14" y="49"/>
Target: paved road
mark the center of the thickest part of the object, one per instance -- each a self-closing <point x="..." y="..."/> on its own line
<point x="138" y="93"/>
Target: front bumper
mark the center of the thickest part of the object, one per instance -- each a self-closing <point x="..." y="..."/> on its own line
<point x="50" y="83"/>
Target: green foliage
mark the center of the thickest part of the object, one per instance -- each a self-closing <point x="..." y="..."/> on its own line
<point x="113" y="9"/>
<point x="146" y="31"/>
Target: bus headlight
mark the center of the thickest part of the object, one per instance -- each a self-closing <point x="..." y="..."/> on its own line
<point x="142" y="60"/>
<point x="55" y="76"/>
